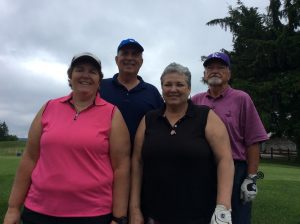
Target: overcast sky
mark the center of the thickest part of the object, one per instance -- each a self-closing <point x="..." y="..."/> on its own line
<point x="39" y="38"/>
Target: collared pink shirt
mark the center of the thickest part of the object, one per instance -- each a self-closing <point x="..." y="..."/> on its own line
<point x="73" y="176"/>
<point x="237" y="111"/>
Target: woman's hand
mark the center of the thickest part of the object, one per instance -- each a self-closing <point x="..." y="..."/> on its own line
<point x="12" y="216"/>
<point x="136" y="217"/>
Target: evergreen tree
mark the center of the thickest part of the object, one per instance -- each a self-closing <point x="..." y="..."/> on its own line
<point x="265" y="62"/>
<point x="4" y="133"/>
<point x="3" y="130"/>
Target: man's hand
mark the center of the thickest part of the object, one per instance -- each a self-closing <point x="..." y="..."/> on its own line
<point x="221" y="215"/>
<point x="249" y="188"/>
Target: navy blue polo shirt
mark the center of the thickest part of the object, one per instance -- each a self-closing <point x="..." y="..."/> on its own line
<point x="133" y="104"/>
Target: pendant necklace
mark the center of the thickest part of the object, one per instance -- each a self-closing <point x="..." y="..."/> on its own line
<point x="173" y="132"/>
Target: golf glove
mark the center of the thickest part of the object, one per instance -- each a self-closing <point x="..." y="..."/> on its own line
<point x="249" y="188"/>
<point x="221" y="215"/>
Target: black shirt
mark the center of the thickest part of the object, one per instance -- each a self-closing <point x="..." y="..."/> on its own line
<point x="179" y="170"/>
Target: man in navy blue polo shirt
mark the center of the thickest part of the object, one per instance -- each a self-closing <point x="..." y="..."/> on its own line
<point x="127" y="90"/>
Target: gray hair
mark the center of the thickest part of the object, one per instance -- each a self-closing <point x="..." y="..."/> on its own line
<point x="175" y="67"/>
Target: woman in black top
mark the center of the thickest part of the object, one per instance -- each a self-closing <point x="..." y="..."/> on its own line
<point x="182" y="169"/>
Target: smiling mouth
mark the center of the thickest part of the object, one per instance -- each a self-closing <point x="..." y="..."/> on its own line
<point x="215" y="76"/>
<point x="84" y="83"/>
<point x="129" y="65"/>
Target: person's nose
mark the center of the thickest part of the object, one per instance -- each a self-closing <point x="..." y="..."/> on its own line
<point x="173" y="88"/>
<point x="214" y="69"/>
<point x="129" y="56"/>
<point x="86" y="74"/>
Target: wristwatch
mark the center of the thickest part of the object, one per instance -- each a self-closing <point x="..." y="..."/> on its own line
<point x="120" y="220"/>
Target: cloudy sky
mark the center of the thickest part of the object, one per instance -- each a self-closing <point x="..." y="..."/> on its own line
<point x="39" y="37"/>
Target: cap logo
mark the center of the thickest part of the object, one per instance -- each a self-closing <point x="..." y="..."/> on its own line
<point x="222" y="56"/>
<point x="215" y="55"/>
<point x="131" y="42"/>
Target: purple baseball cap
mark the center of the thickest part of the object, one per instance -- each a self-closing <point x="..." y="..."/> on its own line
<point x="130" y="42"/>
<point x="217" y="55"/>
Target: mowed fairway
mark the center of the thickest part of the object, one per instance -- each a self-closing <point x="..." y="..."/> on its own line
<point x="8" y="166"/>
<point x="278" y="200"/>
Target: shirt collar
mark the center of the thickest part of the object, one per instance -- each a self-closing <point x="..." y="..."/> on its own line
<point x="223" y="93"/>
<point x="189" y="113"/>
<point x="98" y="100"/>
<point x="141" y="84"/>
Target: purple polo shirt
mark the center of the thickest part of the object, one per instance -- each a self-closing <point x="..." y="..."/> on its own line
<point x="237" y="111"/>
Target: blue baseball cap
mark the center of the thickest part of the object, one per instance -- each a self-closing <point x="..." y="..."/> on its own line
<point x="217" y="55"/>
<point x="130" y="42"/>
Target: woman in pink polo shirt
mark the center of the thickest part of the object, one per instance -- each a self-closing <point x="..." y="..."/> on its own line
<point x="76" y="165"/>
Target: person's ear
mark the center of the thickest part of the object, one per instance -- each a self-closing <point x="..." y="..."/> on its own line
<point x="204" y="75"/>
<point x="229" y="75"/>
<point x="142" y="60"/>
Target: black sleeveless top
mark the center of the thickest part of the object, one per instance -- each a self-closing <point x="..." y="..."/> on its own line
<point x="179" y="171"/>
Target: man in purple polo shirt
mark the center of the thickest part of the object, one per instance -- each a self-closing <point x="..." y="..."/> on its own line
<point x="244" y="127"/>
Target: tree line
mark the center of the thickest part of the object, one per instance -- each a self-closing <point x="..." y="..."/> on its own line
<point x="265" y="62"/>
<point x="4" y="133"/>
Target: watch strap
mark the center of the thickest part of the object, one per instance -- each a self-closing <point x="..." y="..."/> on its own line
<point x="120" y="220"/>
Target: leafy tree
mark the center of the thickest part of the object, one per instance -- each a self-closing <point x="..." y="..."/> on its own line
<point x="265" y="59"/>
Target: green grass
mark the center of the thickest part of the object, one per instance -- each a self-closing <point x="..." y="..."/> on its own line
<point x="11" y="147"/>
<point x="278" y="199"/>
<point x="8" y="166"/>
<point x="277" y="202"/>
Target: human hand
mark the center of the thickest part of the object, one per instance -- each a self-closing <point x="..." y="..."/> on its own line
<point x="12" y="216"/>
<point x="136" y="217"/>
<point x="221" y="215"/>
<point x="249" y="189"/>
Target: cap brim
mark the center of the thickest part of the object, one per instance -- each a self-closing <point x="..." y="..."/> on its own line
<point x="86" y="58"/>
<point x="207" y="61"/>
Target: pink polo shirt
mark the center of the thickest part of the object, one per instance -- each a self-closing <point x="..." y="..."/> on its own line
<point x="73" y="176"/>
<point x="237" y="111"/>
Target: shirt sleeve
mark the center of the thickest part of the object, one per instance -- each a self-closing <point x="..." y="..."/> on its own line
<point x="254" y="130"/>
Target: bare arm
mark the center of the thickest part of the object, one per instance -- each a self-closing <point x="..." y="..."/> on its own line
<point x="23" y="176"/>
<point x="120" y="158"/>
<point x="136" y="216"/>
<point x="253" y="158"/>
<point x="218" y="139"/>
